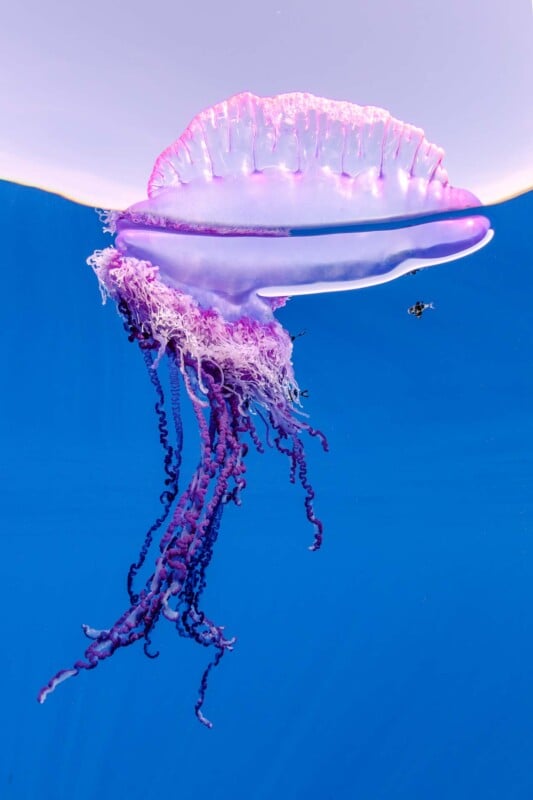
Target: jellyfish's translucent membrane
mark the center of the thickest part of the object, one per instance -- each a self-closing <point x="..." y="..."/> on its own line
<point x="197" y="271"/>
<point x="229" y="200"/>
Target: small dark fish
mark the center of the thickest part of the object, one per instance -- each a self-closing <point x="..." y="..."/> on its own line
<point x="418" y="309"/>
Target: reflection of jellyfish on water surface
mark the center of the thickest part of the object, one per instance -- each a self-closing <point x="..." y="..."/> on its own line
<point x="245" y="209"/>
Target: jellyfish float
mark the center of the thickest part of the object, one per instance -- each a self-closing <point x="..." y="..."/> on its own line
<point x="259" y="200"/>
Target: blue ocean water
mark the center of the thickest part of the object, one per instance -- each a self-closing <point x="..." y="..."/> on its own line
<point x="395" y="663"/>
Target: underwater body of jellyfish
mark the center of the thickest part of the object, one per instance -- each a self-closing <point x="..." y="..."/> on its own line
<point x="260" y="199"/>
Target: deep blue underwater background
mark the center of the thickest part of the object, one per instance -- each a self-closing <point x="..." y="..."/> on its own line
<point x="395" y="663"/>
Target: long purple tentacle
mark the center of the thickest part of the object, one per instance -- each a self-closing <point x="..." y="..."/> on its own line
<point x="224" y="391"/>
<point x="171" y="465"/>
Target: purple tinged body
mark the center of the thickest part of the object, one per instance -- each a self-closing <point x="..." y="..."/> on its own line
<point x="197" y="271"/>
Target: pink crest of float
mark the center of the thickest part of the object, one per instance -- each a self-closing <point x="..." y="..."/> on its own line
<point x="299" y="132"/>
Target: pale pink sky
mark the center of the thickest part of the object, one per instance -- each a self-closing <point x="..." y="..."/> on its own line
<point x="91" y="92"/>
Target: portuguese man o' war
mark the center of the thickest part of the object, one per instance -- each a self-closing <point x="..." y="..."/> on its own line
<point x="259" y="200"/>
